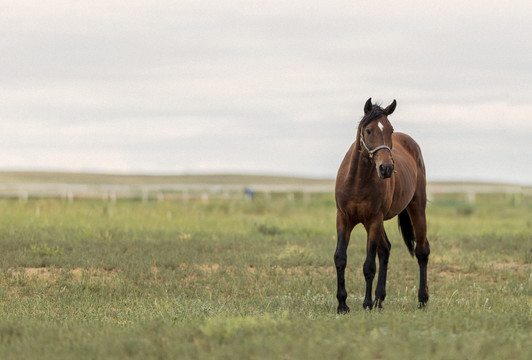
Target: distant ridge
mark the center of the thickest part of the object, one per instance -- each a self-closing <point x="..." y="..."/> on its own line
<point x="36" y="177"/>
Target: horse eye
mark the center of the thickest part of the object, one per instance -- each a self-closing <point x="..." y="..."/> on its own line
<point x="368" y="131"/>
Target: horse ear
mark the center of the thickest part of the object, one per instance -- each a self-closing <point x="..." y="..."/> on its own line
<point x="368" y="106"/>
<point x="390" y="109"/>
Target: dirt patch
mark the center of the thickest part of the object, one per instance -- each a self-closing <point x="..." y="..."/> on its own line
<point x="291" y="250"/>
<point x="492" y="272"/>
<point x="307" y="270"/>
<point x="77" y="273"/>
<point x="194" y="271"/>
<point x="446" y="271"/>
<point x="52" y="274"/>
<point x="513" y="266"/>
<point x="199" y="270"/>
<point x="39" y="273"/>
<point x="209" y="268"/>
<point x="293" y="270"/>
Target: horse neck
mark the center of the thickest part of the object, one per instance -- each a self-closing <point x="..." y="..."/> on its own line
<point x="360" y="167"/>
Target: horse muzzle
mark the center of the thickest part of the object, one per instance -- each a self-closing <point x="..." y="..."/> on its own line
<point x="385" y="171"/>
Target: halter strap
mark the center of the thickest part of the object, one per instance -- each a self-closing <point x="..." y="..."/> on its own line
<point x="372" y="152"/>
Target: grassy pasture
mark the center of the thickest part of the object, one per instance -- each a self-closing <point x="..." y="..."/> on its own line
<point x="237" y="279"/>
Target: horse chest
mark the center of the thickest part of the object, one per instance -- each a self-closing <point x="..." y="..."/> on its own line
<point x="360" y="206"/>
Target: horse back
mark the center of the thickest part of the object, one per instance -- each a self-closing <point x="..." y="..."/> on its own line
<point x="405" y="145"/>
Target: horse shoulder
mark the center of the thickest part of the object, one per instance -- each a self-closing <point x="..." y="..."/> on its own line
<point x="352" y="201"/>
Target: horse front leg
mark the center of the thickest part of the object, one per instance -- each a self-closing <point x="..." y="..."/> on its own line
<point x="369" y="273"/>
<point x="340" y="261"/>
<point x="375" y="240"/>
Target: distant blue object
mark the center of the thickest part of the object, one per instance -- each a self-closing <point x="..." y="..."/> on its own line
<point x="249" y="192"/>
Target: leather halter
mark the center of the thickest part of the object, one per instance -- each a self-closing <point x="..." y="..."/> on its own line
<point x="372" y="152"/>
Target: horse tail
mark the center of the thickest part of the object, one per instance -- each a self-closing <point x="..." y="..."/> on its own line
<point x="407" y="230"/>
<point x="388" y="241"/>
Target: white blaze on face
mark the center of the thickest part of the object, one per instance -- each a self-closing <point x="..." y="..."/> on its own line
<point x="381" y="126"/>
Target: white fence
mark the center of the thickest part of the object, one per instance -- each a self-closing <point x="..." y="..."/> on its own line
<point x="159" y="192"/>
<point x="471" y="191"/>
<point x="163" y="192"/>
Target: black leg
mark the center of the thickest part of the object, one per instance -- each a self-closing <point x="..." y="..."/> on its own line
<point x="369" y="274"/>
<point x="383" y="250"/>
<point x="422" y="254"/>
<point x="416" y="210"/>
<point x="340" y="261"/>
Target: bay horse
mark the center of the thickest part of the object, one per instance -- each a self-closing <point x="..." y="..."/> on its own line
<point x="381" y="176"/>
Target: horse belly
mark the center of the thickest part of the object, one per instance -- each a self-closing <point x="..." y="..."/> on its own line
<point x="405" y="180"/>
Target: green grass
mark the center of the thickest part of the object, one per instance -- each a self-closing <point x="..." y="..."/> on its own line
<point x="236" y="279"/>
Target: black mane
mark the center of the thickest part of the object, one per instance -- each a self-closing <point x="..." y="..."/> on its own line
<point x="375" y="113"/>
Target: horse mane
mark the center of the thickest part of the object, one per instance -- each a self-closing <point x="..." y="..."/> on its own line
<point x="375" y="113"/>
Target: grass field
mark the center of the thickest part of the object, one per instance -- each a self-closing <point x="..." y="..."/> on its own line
<point x="235" y="279"/>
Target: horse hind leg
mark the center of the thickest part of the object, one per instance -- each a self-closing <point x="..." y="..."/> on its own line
<point x="423" y="258"/>
<point x="422" y="249"/>
<point x="383" y="251"/>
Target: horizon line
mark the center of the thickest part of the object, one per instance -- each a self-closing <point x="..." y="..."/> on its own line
<point x="264" y="174"/>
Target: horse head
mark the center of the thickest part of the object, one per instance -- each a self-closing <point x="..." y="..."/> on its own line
<point x="376" y="137"/>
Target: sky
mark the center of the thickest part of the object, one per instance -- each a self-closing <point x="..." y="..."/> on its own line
<point x="263" y="87"/>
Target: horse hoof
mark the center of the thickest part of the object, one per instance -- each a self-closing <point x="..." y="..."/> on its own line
<point x="378" y="305"/>
<point x="342" y="309"/>
<point x="423" y="298"/>
<point x="367" y="305"/>
<point x="421" y="305"/>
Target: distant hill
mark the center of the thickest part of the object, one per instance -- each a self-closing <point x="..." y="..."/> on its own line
<point x="43" y="177"/>
<point x="23" y="177"/>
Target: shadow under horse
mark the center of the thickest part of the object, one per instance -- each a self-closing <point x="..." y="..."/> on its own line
<point x="381" y="176"/>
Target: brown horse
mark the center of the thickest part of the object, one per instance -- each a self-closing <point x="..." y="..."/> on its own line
<point x="381" y="176"/>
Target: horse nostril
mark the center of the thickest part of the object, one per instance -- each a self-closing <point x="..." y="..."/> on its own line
<point x="385" y="171"/>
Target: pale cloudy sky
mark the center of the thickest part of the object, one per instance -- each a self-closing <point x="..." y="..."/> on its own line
<point x="273" y="87"/>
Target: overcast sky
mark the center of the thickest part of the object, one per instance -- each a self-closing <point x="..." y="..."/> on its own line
<point x="268" y="87"/>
